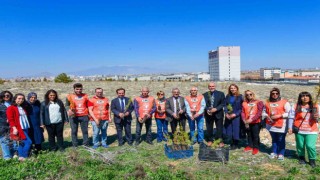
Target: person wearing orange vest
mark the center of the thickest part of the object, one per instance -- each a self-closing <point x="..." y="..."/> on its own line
<point x="305" y="116"/>
<point x="195" y="105"/>
<point x="99" y="110"/>
<point x="251" y="116"/>
<point x="276" y="114"/>
<point x="160" y="116"/>
<point x="77" y="108"/>
<point x="144" y="107"/>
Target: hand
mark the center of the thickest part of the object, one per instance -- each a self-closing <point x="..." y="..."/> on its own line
<point x="121" y="115"/>
<point x="181" y="111"/>
<point x="233" y="115"/>
<point x="97" y="122"/>
<point x="65" y="123"/>
<point x="274" y="117"/>
<point x="316" y="116"/>
<point x="175" y="116"/>
<point x="213" y="110"/>
<point x="148" y="116"/>
<point x="192" y="118"/>
<point x="228" y="116"/>
<point x="70" y="112"/>
<point x="15" y="131"/>
<point x="110" y="120"/>
<point x="196" y="115"/>
<point x="126" y="114"/>
<point x="42" y="126"/>
<point x="290" y="131"/>
<point x="140" y="119"/>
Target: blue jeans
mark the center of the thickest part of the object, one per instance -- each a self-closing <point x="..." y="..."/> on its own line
<point x="278" y="142"/>
<point x="24" y="147"/>
<point x="96" y="130"/>
<point x="6" y="150"/>
<point x="192" y="126"/>
<point x="162" y="128"/>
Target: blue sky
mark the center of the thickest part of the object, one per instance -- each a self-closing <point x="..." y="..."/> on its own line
<point x="66" y="36"/>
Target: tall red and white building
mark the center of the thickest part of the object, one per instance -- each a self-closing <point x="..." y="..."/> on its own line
<point x="224" y="63"/>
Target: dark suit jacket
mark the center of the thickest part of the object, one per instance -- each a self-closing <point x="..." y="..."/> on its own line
<point x="170" y="108"/>
<point x="116" y="109"/>
<point x="44" y="113"/>
<point x="219" y="102"/>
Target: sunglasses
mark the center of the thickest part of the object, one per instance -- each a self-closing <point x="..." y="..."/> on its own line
<point x="7" y="95"/>
<point x="161" y="94"/>
<point x="249" y="94"/>
<point x="274" y="93"/>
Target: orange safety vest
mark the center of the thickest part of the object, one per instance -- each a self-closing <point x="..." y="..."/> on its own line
<point x="145" y="105"/>
<point x="309" y="124"/>
<point x="194" y="102"/>
<point x="275" y="108"/>
<point x="251" y="109"/>
<point x="162" y="105"/>
<point x="100" y="108"/>
<point x="79" y="104"/>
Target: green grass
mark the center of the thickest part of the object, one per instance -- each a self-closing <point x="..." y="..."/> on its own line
<point x="150" y="162"/>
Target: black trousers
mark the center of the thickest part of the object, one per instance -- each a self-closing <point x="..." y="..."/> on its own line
<point x="139" y="125"/>
<point x="210" y="121"/>
<point x="74" y="123"/>
<point x="55" y="130"/>
<point x="253" y="135"/>
<point x="126" y="125"/>
<point x="175" y="122"/>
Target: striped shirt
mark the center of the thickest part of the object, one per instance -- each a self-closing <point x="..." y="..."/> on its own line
<point x="24" y="123"/>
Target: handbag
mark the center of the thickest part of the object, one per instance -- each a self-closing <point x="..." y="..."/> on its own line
<point x="295" y="129"/>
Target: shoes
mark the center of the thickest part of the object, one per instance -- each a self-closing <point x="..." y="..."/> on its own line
<point x="130" y="144"/>
<point x="302" y="160"/>
<point x="159" y="141"/>
<point x="120" y="144"/>
<point x="209" y="143"/>
<point x="312" y="163"/>
<point x="247" y="149"/>
<point x="150" y="142"/>
<point x="281" y="157"/>
<point x="95" y="147"/>
<point x="137" y="143"/>
<point x="233" y="147"/>
<point x="273" y="156"/>
<point x="105" y="146"/>
<point x="255" y="151"/>
<point x="61" y="149"/>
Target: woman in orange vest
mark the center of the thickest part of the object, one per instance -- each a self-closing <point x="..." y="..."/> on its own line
<point x="304" y="116"/>
<point x="276" y="115"/>
<point x="251" y="116"/>
<point x="160" y="116"/>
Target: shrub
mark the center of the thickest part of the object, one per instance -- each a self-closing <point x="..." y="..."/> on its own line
<point x="62" y="78"/>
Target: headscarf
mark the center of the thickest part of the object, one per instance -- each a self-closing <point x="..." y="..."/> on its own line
<point x="30" y="95"/>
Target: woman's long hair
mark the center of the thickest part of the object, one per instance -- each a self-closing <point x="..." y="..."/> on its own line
<point x="11" y="95"/>
<point x="299" y="102"/>
<point x="253" y="95"/>
<point x="270" y="96"/>
<point x="46" y="96"/>
<point x="15" y="98"/>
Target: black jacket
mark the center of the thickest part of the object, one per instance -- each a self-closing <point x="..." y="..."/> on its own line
<point x="219" y="102"/>
<point x="44" y="113"/>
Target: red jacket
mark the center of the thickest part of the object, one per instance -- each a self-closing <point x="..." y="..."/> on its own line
<point x="13" y="118"/>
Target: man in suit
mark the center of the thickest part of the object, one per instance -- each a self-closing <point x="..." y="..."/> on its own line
<point x="215" y="101"/>
<point x="144" y="107"/>
<point x="122" y="108"/>
<point x="176" y="109"/>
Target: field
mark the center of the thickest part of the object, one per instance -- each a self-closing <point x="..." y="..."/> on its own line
<point x="148" y="161"/>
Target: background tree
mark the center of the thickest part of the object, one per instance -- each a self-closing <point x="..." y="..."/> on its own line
<point x="62" y="78"/>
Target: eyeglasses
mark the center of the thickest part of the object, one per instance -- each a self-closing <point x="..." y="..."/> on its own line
<point x="161" y="94"/>
<point x="274" y="93"/>
<point x="249" y="94"/>
<point x="7" y="95"/>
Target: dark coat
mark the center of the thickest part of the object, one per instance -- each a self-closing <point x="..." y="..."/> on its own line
<point x="44" y="113"/>
<point x="219" y="102"/>
<point x="236" y="106"/>
<point x="35" y="132"/>
<point x="4" y="125"/>
<point x="116" y="109"/>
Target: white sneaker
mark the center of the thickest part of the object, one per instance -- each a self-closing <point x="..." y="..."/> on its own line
<point x="280" y="157"/>
<point x="273" y="156"/>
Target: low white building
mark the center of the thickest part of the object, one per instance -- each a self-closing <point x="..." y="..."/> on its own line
<point x="269" y="73"/>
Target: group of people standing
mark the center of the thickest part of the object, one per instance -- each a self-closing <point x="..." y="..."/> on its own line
<point x="22" y="120"/>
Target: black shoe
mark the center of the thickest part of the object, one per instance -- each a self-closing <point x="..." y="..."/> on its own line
<point x="120" y="144"/>
<point x="302" y="160"/>
<point x="150" y="142"/>
<point x="61" y="149"/>
<point x="312" y="163"/>
<point x="233" y="147"/>
<point x="137" y="143"/>
<point x="130" y="144"/>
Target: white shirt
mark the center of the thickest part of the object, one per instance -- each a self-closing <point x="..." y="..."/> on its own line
<point x="54" y="113"/>
<point x="24" y="123"/>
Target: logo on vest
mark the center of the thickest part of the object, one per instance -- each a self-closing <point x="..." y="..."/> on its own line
<point x="194" y="100"/>
<point x="274" y="105"/>
<point x="251" y="104"/>
<point x="78" y="98"/>
<point x="145" y="100"/>
<point x="100" y="101"/>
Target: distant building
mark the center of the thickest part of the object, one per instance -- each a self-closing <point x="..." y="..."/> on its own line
<point x="269" y="73"/>
<point x="224" y="63"/>
<point x="202" y="77"/>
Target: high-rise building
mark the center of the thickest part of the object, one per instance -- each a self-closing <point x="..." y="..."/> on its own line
<point x="224" y="63"/>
